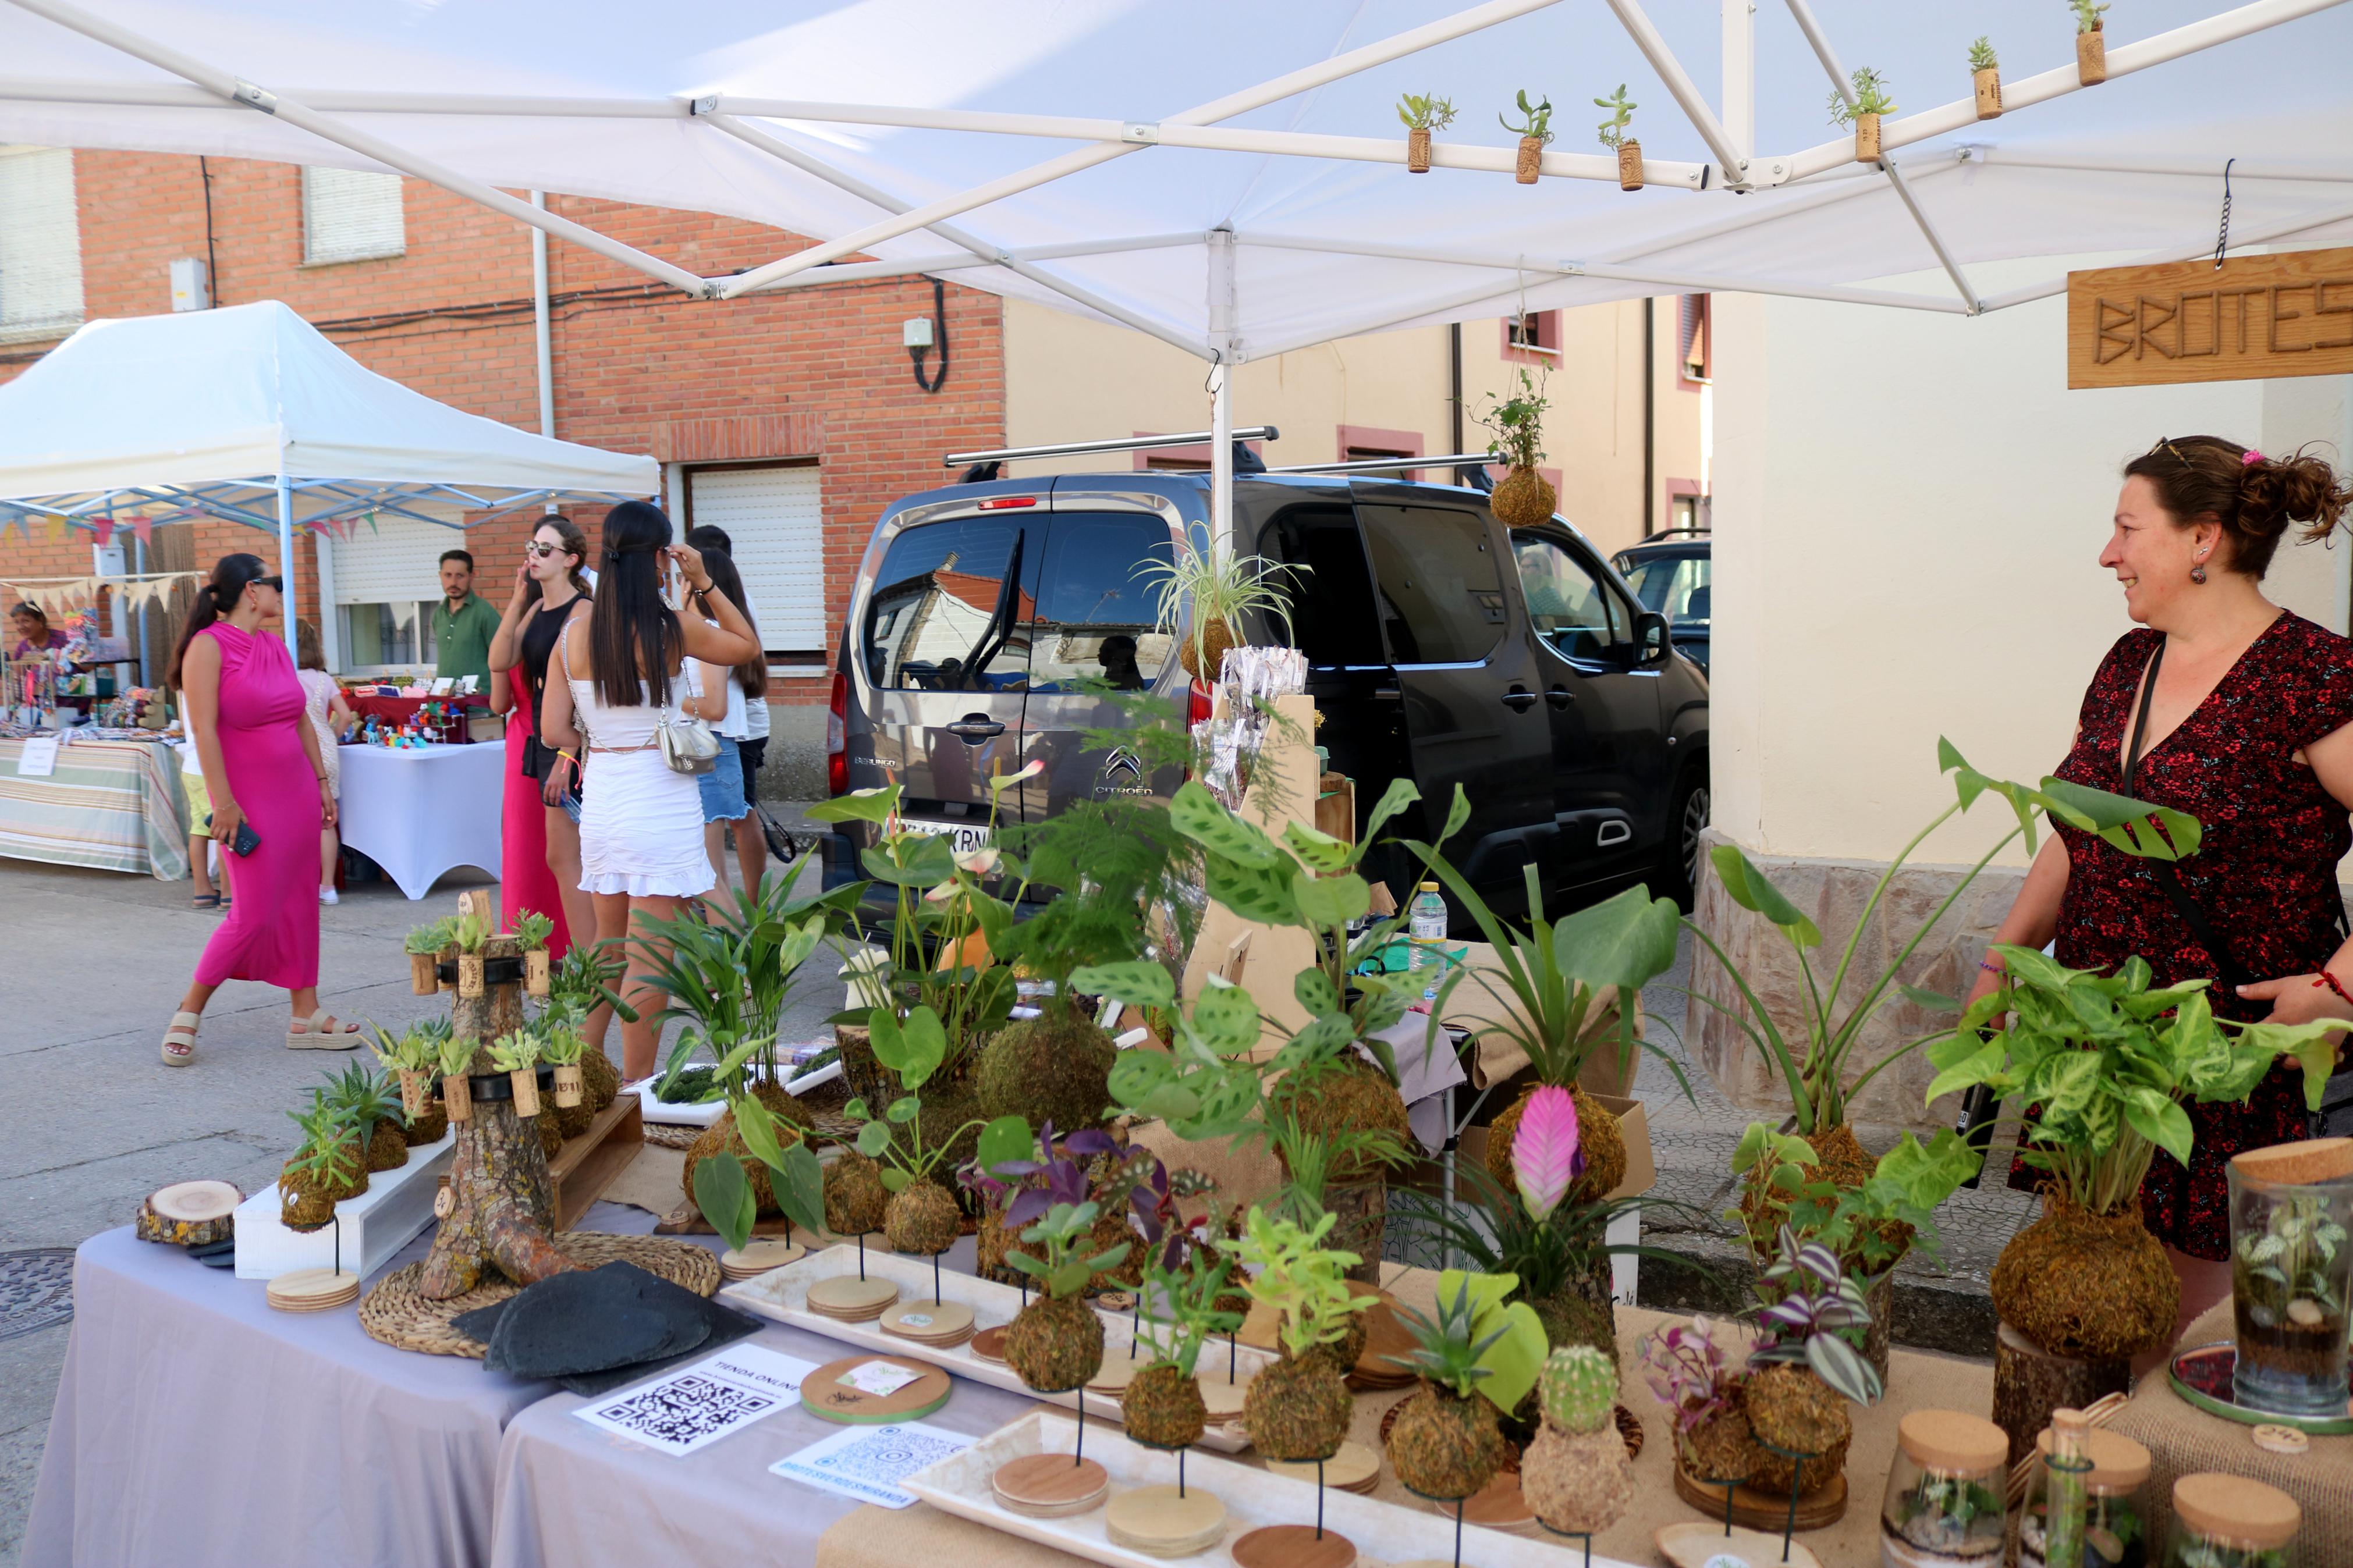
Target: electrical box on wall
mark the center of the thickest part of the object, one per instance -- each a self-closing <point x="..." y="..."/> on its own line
<point x="192" y="285"/>
<point x="915" y="333"/>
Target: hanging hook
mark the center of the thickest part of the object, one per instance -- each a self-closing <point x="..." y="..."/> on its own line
<point x="2222" y="240"/>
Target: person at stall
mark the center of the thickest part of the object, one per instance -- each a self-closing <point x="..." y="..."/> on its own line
<point x="31" y="624"/>
<point x="270" y="795"/>
<point x="2227" y="707"/>
<point x="622" y="658"/>
<point x="751" y="750"/>
<point x="202" y="848"/>
<point x="540" y="836"/>
<point x="330" y="718"/>
<point x="722" y="698"/>
<point x="463" y="623"/>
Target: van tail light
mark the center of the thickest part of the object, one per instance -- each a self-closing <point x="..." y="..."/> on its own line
<point x="837" y="736"/>
<point x="1196" y="705"/>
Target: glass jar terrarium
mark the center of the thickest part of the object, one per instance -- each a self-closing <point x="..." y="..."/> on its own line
<point x="2291" y="1270"/>
<point x="2229" y="1521"/>
<point x="2115" y="1533"/>
<point x="1943" y="1506"/>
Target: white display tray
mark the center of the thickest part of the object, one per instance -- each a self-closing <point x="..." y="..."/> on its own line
<point x="783" y="1294"/>
<point x="709" y="1111"/>
<point x="1383" y="1532"/>
<point x="373" y="1226"/>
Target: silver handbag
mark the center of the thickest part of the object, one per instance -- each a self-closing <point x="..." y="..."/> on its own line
<point x="687" y="746"/>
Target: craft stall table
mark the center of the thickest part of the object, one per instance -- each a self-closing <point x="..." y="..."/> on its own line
<point x="394" y="712"/>
<point x="113" y="805"/>
<point x="420" y="811"/>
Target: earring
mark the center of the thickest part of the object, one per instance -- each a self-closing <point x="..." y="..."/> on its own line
<point x="2197" y="572"/>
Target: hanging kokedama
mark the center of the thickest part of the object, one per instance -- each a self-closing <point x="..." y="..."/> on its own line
<point x="1535" y="130"/>
<point x="1423" y="113"/>
<point x="2090" y="42"/>
<point x="1613" y="136"/>
<point x="1871" y="102"/>
<point x="1522" y="499"/>
<point x="1985" y="71"/>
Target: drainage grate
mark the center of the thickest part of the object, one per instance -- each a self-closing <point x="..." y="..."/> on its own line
<point x="35" y="1290"/>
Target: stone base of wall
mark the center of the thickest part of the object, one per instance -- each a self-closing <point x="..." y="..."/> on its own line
<point x="1833" y="893"/>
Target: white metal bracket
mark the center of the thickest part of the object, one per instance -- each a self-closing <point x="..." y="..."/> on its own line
<point x="253" y="97"/>
<point x="1143" y="132"/>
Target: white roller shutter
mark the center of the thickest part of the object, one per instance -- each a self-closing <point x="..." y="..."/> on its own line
<point x="40" y="244"/>
<point x="777" y="523"/>
<point x="397" y="562"/>
<point x="351" y="215"/>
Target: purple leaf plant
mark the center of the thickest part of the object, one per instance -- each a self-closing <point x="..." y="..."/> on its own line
<point x="1690" y="1373"/>
<point x="1818" y="1320"/>
<point x="1058" y="1175"/>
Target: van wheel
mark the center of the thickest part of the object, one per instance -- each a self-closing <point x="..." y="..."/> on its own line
<point x="1680" y="856"/>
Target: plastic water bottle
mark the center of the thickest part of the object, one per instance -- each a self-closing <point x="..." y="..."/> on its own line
<point x="1426" y="918"/>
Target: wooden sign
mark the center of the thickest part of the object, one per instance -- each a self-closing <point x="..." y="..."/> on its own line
<point x="2178" y="321"/>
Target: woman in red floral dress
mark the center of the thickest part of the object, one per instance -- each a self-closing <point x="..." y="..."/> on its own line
<point x="2249" y="729"/>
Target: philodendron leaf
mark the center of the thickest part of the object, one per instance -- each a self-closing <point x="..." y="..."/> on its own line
<point x="798" y="1182"/>
<point x="724" y="1194"/>
<point x="1005" y="1139"/>
<point x="756" y="1125"/>
<point x="1934" y="1001"/>
<point x="1752" y="891"/>
<point x="873" y="805"/>
<point x="1627" y="941"/>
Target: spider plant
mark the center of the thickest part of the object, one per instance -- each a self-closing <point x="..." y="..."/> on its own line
<point x="1202" y="585"/>
<point x="1309" y="1160"/>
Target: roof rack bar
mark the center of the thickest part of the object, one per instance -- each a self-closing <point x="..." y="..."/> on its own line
<point x="1391" y="465"/>
<point x="1121" y="444"/>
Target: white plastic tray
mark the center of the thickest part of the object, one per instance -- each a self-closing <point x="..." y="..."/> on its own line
<point x="709" y="1111"/>
<point x="783" y="1294"/>
<point x="1382" y="1532"/>
<point x="378" y="1223"/>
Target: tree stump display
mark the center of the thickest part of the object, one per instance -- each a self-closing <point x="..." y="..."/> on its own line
<point x="189" y="1214"/>
<point x="499" y="1211"/>
<point x="2029" y="1383"/>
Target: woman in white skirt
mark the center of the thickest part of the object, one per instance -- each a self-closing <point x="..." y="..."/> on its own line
<point x="642" y="826"/>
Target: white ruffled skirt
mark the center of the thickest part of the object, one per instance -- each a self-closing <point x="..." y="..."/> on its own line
<point x="641" y="828"/>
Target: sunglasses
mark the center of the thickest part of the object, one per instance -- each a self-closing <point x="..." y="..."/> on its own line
<point x="544" y="551"/>
<point x="275" y="584"/>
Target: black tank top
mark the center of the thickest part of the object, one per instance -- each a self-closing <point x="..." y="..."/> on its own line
<point x="539" y="637"/>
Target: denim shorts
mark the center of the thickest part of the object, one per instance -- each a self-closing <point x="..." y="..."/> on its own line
<point x="722" y="786"/>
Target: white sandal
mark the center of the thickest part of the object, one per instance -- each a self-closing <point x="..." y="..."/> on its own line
<point x="312" y="1034"/>
<point x="180" y="1039"/>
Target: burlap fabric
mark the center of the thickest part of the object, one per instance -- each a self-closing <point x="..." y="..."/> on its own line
<point x="2183" y="1440"/>
<point x="881" y="1538"/>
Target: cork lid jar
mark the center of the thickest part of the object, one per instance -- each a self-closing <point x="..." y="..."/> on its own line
<point x="2234" y="1514"/>
<point x="1944" y="1501"/>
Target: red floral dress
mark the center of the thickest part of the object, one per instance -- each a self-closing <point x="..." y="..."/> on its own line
<point x="2264" y="876"/>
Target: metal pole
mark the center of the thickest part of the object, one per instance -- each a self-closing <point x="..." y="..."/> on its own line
<point x="1221" y="407"/>
<point x="330" y="634"/>
<point x="147" y="608"/>
<point x="286" y="560"/>
<point x="539" y="325"/>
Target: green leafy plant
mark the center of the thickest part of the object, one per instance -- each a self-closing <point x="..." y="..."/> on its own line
<point x="914" y="1049"/>
<point x="1203" y="584"/>
<point x="1959" y="1500"/>
<point x="1309" y="1159"/>
<point x="410" y="1051"/>
<point x="470" y="932"/>
<point x="1058" y="1264"/>
<point x="1622" y="115"/>
<point x="2087" y="13"/>
<point x="2107" y="1062"/>
<point x="1446" y="1352"/>
<point x="1811" y="1053"/>
<point x="1869" y="1227"/>
<point x="1094" y="871"/>
<point x="2292" y="1255"/>
<point x="1870" y="98"/>
<point x="1982" y="55"/>
<point x="561" y="1044"/>
<point x="517" y="1051"/>
<point x="1516" y="423"/>
<point x="532" y="929"/>
<point x="1494" y="1230"/>
<point x="1425" y="111"/>
<point x="1535" y="119"/>
<point x="431" y="938"/>
<point x="722" y="1189"/>
<point x="1184" y="1315"/>
<point x="333" y="1152"/>
<point x="1305" y="1285"/>
<point x="731" y="975"/>
<point x="455" y="1057"/>
<point x="363" y="1097"/>
<point x="1204" y="1086"/>
<point x="586" y="977"/>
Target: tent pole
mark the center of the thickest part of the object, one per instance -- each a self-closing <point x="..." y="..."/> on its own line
<point x="540" y="325"/>
<point x="286" y="561"/>
<point x="1684" y="90"/>
<point x="1221" y="407"/>
<point x="330" y="634"/>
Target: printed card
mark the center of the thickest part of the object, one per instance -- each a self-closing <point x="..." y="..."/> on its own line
<point x="879" y="1378"/>
<point x="696" y="1406"/>
<point x="867" y="1463"/>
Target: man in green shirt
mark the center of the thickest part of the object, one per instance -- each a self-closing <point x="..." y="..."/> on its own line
<point x="463" y="624"/>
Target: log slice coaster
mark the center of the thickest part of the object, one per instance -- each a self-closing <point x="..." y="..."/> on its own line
<point x="189" y="1214"/>
<point x="313" y="1289"/>
<point x="1498" y="1505"/>
<point x="930" y="1322"/>
<point x="1157" y="1522"/>
<point x="990" y="1343"/>
<point x="1690" y="1543"/>
<point x="1050" y="1486"/>
<point x="1354" y="1467"/>
<point x="1823" y="1505"/>
<point x="1294" y="1546"/>
<point x="757" y="1256"/>
<point x="852" y="1390"/>
<point x="850" y="1299"/>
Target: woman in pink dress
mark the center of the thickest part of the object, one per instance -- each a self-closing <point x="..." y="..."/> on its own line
<point x="268" y="788"/>
<point x="524" y="881"/>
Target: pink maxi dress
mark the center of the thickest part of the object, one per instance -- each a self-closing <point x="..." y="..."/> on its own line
<point x="524" y="881"/>
<point x="272" y="933"/>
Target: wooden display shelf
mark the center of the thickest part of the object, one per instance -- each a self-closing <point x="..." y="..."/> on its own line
<point x="586" y="1165"/>
<point x="1763" y="1510"/>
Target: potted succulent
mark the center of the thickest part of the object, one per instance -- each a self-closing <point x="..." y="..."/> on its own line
<point x="1985" y="72"/>
<point x="1161" y="1405"/>
<point x="532" y="930"/>
<point x="582" y="983"/>
<point x="471" y="933"/>
<point x="423" y="947"/>
<point x="561" y="1047"/>
<point x="1056" y="1340"/>
<point x="1691" y="1372"/>
<point x="516" y="1054"/>
<point x="1476" y="1358"/>
<point x="1298" y="1409"/>
<point x="2090" y="42"/>
<point x="1211" y="594"/>
<point x="1576" y="1475"/>
<point x="413" y="1055"/>
<point x="365" y="1098"/>
<point x="1871" y="102"/>
<point x="456" y="1059"/>
<point x="2105" y="1062"/>
<point x="1613" y="136"/>
<point x="922" y="1217"/>
<point x="1535" y="130"/>
<point x="329" y="1166"/>
<point x="1423" y="113"/>
<point x="1806" y="1364"/>
<point x="1523" y="498"/>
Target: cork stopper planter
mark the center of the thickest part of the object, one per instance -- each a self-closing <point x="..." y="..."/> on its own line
<point x="526" y="1084"/>
<point x="1531" y="160"/>
<point x="421" y="980"/>
<point x="1630" y="165"/>
<point x="1417" y="150"/>
<point x="535" y="971"/>
<point x="470" y="974"/>
<point x="2092" y="56"/>
<point x="1866" y="139"/>
<point x="571" y="1083"/>
<point x="1989" y="92"/>
<point x="457" y="1098"/>
<point x="415" y="1093"/>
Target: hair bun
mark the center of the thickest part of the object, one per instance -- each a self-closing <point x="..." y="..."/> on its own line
<point x="2299" y="487"/>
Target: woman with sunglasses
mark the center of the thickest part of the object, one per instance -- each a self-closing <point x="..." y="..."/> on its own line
<point x="269" y="799"/>
<point x="2227" y="707"/>
<point x="540" y="850"/>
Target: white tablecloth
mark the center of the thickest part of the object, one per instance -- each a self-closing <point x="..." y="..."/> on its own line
<point x="423" y="812"/>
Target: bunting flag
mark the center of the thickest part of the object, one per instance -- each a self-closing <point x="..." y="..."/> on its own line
<point x="103" y="529"/>
<point x="145" y="527"/>
<point x="56" y="528"/>
<point x="57" y="596"/>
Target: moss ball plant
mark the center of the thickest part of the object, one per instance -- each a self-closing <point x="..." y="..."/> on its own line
<point x="1598" y="1136"/>
<point x="1446" y="1445"/>
<point x="1298" y="1409"/>
<point x="1348" y="1095"/>
<point x="368" y="1100"/>
<point x="723" y="1137"/>
<point x="923" y="1219"/>
<point x="855" y="1197"/>
<point x="1576" y="1475"/>
<point x="1162" y="1405"/>
<point x="2093" y="1286"/>
<point x="387" y="1147"/>
<point x="1571" y="1319"/>
<point x="429" y="1128"/>
<point x="600" y="1080"/>
<point x="1789" y="1407"/>
<point x="1162" y="1408"/>
<point x="329" y="1166"/>
<point x="1053" y="1068"/>
<point x="1055" y="1343"/>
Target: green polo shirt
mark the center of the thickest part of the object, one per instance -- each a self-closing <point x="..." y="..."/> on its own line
<point x="461" y="642"/>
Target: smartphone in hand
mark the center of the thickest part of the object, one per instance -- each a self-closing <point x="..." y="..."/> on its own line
<point x="247" y="840"/>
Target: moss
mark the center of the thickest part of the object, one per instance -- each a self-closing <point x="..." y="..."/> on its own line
<point x="1789" y="1407"/>
<point x="304" y="1204"/>
<point x="429" y="1127"/>
<point x="387" y="1147"/>
<point x="1578" y="1482"/>
<point x="922" y="1219"/>
<point x="1047" y="1069"/>
<point x="1721" y="1448"/>
<point x="1345" y="1352"/>
<point x="1571" y="1319"/>
<point x="1522" y="499"/>
<point x="1445" y="1445"/>
<point x="1055" y="1343"/>
<point x="1597" y="1135"/>
<point x="2077" y="1284"/>
<point x="571" y="1120"/>
<point x="990" y="1242"/>
<point x="1162" y="1407"/>
<point x="551" y="1135"/>
<point x="855" y="1197"/>
<point x="1351" y="1095"/>
<point x="600" y="1078"/>
<point x="1843" y="1162"/>
<point x="1298" y="1409"/>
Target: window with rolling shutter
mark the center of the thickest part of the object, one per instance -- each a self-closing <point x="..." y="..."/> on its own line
<point x="40" y="244"/>
<point x="775" y="517"/>
<point x="387" y="580"/>
<point x="1696" y="362"/>
<point x="351" y="215"/>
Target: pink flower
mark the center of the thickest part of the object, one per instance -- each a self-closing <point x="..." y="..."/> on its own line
<point x="1545" y="1155"/>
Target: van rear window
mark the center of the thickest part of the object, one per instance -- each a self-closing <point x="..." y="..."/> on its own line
<point x="1096" y="619"/>
<point x="944" y="615"/>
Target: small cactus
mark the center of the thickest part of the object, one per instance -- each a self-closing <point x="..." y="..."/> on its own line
<point x="1579" y="1387"/>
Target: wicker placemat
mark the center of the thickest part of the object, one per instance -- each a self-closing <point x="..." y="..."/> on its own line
<point x="664" y="1135"/>
<point x="395" y="1313"/>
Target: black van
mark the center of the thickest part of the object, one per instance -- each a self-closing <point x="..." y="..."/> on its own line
<point x="1441" y="646"/>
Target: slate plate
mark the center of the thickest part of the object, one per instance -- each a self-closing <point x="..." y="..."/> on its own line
<point x="594" y="1329"/>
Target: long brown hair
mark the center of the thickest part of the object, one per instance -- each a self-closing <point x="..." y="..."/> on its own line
<point x="2253" y="496"/>
<point x="575" y="544"/>
<point x="752" y="675"/>
<point x="632" y="632"/>
<point x="217" y="598"/>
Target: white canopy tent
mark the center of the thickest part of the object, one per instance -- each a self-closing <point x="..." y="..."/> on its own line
<point x="248" y="413"/>
<point x="1226" y="175"/>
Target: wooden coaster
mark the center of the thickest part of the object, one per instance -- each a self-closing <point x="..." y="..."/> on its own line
<point x="1050" y="1486"/>
<point x="1293" y="1546"/>
<point x="849" y="1390"/>
<point x="1158" y="1522"/>
<point x="1116" y="1373"/>
<point x="929" y="1323"/>
<point x="1223" y="1400"/>
<point x="1354" y="1467"/>
<point x="989" y="1344"/>
<point x="313" y="1289"/>
<point x="1766" y="1511"/>
<point x="1498" y="1505"/>
<point x="1690" y="1543"/>
<point x="759" y="1256"/>
<point x="851" y="1299"/>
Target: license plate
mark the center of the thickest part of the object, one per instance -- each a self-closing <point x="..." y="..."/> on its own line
<point x="964" y="838"/>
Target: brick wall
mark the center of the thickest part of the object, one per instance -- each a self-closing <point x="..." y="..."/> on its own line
<point x="637" y="367"/>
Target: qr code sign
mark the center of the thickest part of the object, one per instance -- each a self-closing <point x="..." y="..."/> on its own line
<point x="682" y="1412"/>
